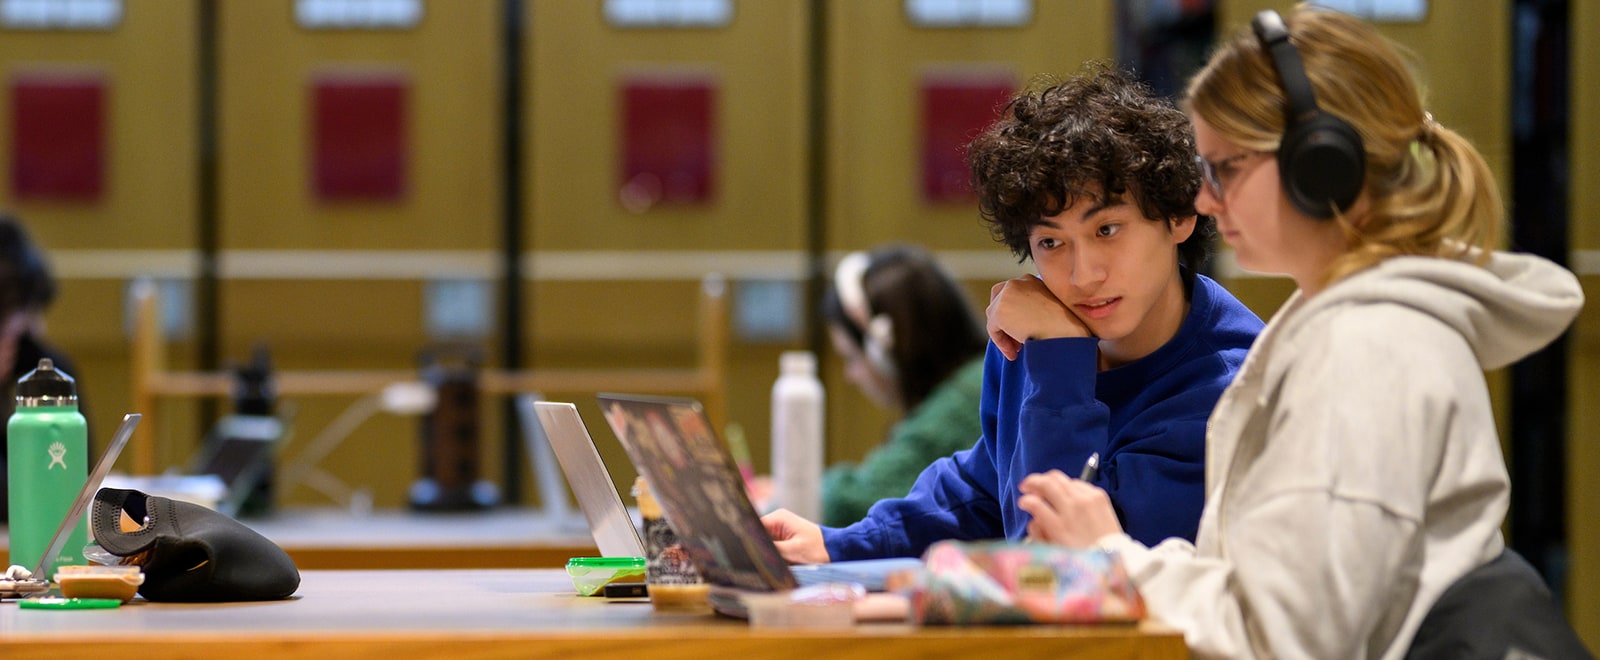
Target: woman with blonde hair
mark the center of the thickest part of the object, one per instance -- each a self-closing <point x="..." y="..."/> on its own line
<point x="1353" y="470"/>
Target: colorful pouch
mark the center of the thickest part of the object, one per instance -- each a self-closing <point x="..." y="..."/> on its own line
<point x="1001" y="582"/>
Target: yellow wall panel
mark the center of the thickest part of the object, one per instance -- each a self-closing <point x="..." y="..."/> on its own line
<point x="1263" y="295"/>
<point x="876" y="63"/>
<point x="1583" y="441"/>
<point x="631" y="323"/>
<point x="453" y="111"/>
<point x="149" y="67"/>
<point x="1583" y="463"/>
<point x="1584" y="140"/>
<point x="320" y="316"/>
<point x="575" y="63"/>
<point x="577" y="60"/>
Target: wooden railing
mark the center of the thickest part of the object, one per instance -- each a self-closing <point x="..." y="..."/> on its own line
<point x="152" y="381"/>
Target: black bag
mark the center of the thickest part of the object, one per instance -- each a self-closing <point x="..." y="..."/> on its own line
<point x="191" y="553"/>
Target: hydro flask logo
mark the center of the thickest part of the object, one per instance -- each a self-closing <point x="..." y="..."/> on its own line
<point x="58" y="454"/>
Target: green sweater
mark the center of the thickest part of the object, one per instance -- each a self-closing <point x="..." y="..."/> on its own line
<point x="945" y="422"/>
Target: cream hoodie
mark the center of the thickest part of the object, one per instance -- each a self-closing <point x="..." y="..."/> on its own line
<point x="1353" y="470"/>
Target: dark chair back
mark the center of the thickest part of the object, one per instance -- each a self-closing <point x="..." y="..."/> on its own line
<point x="1501" y="609"/>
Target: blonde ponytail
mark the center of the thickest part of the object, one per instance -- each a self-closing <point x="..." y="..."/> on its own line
<point x="1439" y="199"/>
<point x="1430" y="192"/>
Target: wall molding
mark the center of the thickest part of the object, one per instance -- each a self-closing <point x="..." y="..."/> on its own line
<point x="543" y="266"/>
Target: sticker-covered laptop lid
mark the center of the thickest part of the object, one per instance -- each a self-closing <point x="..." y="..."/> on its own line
<point x="693" y="476"/>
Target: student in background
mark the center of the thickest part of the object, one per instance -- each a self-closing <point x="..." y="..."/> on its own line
<point x="912" y="342"/>
<point x="26" y="291"/>
<point x="1354" y="471"/>
<point x="1116" y="347"/>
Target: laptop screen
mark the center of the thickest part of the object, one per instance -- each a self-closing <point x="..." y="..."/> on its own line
<point x="692" y="474"/>
<point x="90" y="487"/>
<point x="609" y="521"/>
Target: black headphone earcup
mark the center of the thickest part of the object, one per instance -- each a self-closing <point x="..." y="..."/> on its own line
<point x="1321" y="160"/>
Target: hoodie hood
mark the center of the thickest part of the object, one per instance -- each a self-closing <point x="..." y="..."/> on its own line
<point x="1506" y="310"/>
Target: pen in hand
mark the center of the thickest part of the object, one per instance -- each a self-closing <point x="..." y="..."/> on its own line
<point x="1091" y="468"/>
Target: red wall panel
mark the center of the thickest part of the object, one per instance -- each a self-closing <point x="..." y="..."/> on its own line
<point x="359" y="138"/>
<point x="58" y="131"/>
<point x="954" y="110"/>
<point x="668" y="142"/>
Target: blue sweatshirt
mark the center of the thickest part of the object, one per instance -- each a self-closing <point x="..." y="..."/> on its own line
<point x="1050" y="409"/>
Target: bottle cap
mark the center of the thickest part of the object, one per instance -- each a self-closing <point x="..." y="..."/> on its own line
<point x="46" y="385"/>
<point x="797" y="362"/>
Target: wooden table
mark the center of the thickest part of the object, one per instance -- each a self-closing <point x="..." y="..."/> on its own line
<point x="510" y="613"/>
<point x="399" y="539"/>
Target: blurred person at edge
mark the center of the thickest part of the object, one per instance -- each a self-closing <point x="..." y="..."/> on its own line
<point x="26" y="291"/>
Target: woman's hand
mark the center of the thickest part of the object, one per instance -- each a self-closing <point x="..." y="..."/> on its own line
<point x="1066" y="511"/>
<point x="1023" y="308"/>
<point x="798" y="540"/>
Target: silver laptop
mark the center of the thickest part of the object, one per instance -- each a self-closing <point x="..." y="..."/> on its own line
<point x="693" y="475"/>
<point x="609" y="521"/>
<point x="39" y="580"/>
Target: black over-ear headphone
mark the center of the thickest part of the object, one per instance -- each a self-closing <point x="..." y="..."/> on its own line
<point x="1320" y="160"/>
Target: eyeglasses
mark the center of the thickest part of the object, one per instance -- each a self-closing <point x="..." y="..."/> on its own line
<point x="1209" y="171"/>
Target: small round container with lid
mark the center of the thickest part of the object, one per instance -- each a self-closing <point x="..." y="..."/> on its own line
<point x="116" y="582"/>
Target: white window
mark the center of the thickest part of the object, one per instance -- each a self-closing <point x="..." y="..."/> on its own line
<point x="1382" y="11"/>
<point x="669" y="13"/>
<point x="358" y="14"/>
<point x="969" y="13"/>
<point x="60" y="14"/>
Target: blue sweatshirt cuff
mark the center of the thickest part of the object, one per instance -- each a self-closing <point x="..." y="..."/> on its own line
<point x="862" y="540"/>
<point x="1063" y="370"/>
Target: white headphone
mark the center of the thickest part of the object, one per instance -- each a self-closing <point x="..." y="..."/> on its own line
<point x="877" y="331"/>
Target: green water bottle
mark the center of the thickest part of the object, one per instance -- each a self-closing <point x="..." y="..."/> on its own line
<point x="47" y="455"/>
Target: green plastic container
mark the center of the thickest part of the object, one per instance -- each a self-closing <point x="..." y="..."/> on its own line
<point x="590" y="575"/>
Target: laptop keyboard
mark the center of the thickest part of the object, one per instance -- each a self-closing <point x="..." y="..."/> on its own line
<point x="869" y="573"/>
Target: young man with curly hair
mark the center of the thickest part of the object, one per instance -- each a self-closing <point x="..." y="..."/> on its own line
<point x="1116" y="347"/>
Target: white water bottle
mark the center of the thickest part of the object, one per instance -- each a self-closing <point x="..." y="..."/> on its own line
<point x="797" y="443"/>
